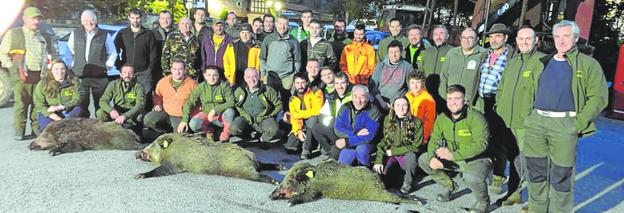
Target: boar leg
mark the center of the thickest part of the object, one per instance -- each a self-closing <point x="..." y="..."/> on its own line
<point x="270" y="166"/>
<point x="164" y="169"/>
<point x="266" y="179"/>
<point x="66" y="148"/>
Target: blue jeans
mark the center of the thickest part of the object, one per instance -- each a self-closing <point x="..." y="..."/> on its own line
<point x="45" y="120"/>
<point x="361" y="152"/>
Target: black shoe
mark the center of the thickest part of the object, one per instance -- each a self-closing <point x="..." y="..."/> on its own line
<point x="305" y="154"/>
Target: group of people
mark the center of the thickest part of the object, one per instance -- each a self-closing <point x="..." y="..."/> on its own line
<point x="411" y="104"/>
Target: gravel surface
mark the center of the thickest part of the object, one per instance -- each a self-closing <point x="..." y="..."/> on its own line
<point x="103" y="181"/>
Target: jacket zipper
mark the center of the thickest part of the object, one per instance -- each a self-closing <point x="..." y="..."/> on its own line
<point x="514" y="89"/>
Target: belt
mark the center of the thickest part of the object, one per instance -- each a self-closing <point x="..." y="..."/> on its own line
<point x="556" y="114"/>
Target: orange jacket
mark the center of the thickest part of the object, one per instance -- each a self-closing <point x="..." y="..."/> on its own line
<point x="358" y="62"/>
<point x="170" y="99"/>
<point x="423" y="106"/>
<point x="312" y="100"/>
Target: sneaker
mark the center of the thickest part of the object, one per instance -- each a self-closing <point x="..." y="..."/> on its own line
<point x="497" y="185"/>
<point x="235" y="139"/>
<point x="515" y="198"/>
<point x="446" y="195"/>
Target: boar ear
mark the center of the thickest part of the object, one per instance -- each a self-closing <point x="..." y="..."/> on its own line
<point x="166" y="143"/>
<point x="306" y="175"/>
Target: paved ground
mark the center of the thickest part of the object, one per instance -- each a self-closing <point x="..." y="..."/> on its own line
<point x="102" y="181"/>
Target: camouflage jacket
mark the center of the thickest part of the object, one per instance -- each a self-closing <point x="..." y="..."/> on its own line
<point x="321" y="51"/>
<point x="177" y="46"/>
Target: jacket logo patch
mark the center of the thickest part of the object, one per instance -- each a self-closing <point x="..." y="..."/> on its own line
<point x="464" y="132"/>
<point x="218" y="98"/>
<point x="68" y="93"/>
<point x="419" y="58"/>
<point x="578" y="74"/>
<point x="472" y="64"/>
<point x="443" y="59"/>
<point x="526" y="74"/>
<point x="131" y="95"/>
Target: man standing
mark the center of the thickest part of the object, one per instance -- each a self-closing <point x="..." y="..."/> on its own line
<point x="285" y="57"/>
<point x="169" y="97"/>
<point x="395" y="35"/>
<point x="246" y="53"/>
<point x="232" y="27"/>
<point x="303" y="32"/>
<point x="358" y="58"/>
<point x="181" y="44"/>
<point x="200" y="29"/>
<point x="462" y="66"/>
<point x="433" y="58"/>
<point x="304" y="105"/>
<point x="268" y="26"/>
<point x="256" y="28"/>
<point x="339" y="39"/>
<point x="127" y="99"/>
<point x="512" y="107"/>
<point x="414" y="52"/>
<point x="323" y="130"/>
<point x="137" y="46"/>
<point x="457" y="143"/>
<point x="217" y="107"/>
<point x="24" y="51"/>
<point x="570" y="92"/>
<point x="356" y="126"/>
<point x="390" y="78"/>
<point x="214" y="48"/>
<point x="93" y="51"/>
<point x="501" y="147"/>
<point x="258" y="106"/>
<point x="318" y="48"/>
<point x="161" y="33"/>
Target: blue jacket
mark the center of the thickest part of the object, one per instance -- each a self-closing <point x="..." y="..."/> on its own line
<point x="349" y="122"/>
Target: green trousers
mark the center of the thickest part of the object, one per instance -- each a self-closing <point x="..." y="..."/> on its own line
<point x="473" y="175"/>
<point x="550" y="148"/>
<point x="23" y="107"/>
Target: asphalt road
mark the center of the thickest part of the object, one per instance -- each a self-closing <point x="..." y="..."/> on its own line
<point x="103" y="181"/>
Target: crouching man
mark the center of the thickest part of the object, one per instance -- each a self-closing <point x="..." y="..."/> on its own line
<point x="356" y="127"/>
<point x="217" y="107"/>
<point x="123" y="101"/>
<point x="257" y="105"/>
<point x="457" y="143"/>
<point x="170" y="95"/>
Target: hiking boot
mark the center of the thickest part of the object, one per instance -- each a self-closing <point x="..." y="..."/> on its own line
<point x="497" y="185"/>
<point x="406" y="188"/>
<point x="446" y="195"/>
<point x="515" y="198"/>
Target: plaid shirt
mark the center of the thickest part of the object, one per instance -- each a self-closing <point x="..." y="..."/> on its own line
<point x="491" y="74"/>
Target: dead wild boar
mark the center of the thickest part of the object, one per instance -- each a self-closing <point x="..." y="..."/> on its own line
<point x="305" y="183"/>
<point x="79" y="134"/>
<point x="176" y="153"/>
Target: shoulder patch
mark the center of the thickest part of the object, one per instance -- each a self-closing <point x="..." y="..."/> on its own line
<point x="464" y="132"/>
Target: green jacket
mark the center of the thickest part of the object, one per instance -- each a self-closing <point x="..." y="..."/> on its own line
<point x="382" y="50"/>
<point x="514" y="100"/>
<point x="131" y="100"/>
<point x="270" y="100"/>
<point x="400" y="136"/>
<point x="433" y="59"/>
<point x="589" y="88"/>
<point x="218" y="97"/>
<point x="467" y="137"/>
<point x="462" y="70"/>
<point x="67" y="95"/>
